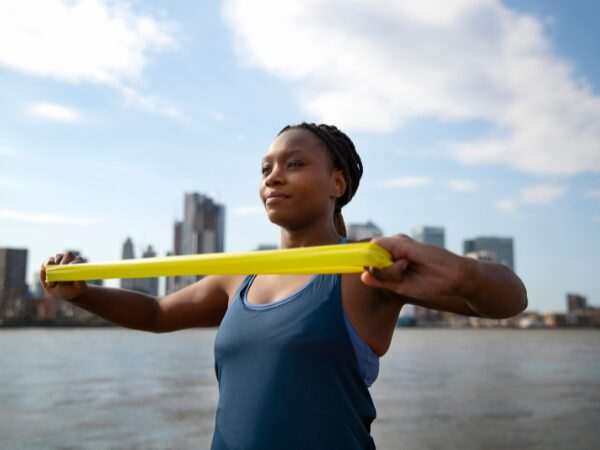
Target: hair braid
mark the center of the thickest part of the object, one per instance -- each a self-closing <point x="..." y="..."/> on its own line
<point x="345" y="158"/>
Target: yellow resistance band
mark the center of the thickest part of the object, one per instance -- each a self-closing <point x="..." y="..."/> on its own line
<point x="345" y="258"/>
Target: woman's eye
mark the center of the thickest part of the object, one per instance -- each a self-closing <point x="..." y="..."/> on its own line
<point x="295" y="164"/>
<point x="265" y="170"/>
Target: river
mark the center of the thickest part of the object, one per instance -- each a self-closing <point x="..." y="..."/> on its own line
<point x="113" y="388"/>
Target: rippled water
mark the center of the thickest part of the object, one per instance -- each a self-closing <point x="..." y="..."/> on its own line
<point x="438" y="389"/>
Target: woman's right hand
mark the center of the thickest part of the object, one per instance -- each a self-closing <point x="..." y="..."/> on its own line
<point x="63" y="290"/>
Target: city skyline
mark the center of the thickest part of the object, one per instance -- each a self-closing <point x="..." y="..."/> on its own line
<point x="201" y="231"/>
<point x="479" y="116"/>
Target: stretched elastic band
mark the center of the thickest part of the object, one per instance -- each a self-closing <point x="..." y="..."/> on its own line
<point x="307" y="260"/>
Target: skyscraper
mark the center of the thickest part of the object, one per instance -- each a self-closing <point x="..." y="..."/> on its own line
<point x="128" y="253"/>
<point x="13" y="288"/>
<point x="500" y="248"/>
<point x="145" y="285"/>
<point x="149" y="285"/>
<point x="201" y="231"/>
<point x="203" y="226"/>
<point x="576" y="302"/>
<point x="433" y="236"/>
<point x="360" y="231"/>
<point x="430" y="235"/>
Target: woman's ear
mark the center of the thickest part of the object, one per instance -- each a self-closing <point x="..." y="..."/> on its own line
<point x="339" y="184"/>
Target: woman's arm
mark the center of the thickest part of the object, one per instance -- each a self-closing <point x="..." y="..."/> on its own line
<point x="435" y="278"/>
<point x="202" y="304"/>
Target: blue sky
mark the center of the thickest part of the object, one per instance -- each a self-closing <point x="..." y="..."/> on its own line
<point x="477" y="115"/>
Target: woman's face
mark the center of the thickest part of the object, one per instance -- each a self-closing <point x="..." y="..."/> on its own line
<point x="299" y="182"/>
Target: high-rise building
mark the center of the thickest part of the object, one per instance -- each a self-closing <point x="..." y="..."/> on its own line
<point x="433" y="236"/>
<point x="500" y="248"/>
<point x="149" y="285"/>
<point x="13" y="287"/>
<point x="430" y="235"/>
<point x="173" y="284"/>
<point x="360" y="231"/>
<point x="202" y="229"/>
<point x="576" y="303"/>
<point x="145" y="285"/>
<point x="128" y="252"/>
<point x="481" y="255"/>
<point x="266" y="247"/>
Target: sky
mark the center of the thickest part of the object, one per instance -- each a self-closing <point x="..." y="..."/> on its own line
<point x="481" y="116"/>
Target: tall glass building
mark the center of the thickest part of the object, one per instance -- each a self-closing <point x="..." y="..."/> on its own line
<point x="501" y="248"/>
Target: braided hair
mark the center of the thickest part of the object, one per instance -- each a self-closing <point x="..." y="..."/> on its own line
<point x="345" y="158"/>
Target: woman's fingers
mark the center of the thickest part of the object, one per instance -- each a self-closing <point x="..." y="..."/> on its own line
<point x="49" y="262"/>
<point x="390" y="277"/>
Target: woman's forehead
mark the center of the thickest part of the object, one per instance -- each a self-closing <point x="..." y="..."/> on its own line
<point x="294" y="140"/>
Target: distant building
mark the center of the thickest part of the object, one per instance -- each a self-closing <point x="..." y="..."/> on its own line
<point x="145" y="285"/>
<point x="433" y="236"/>
<point x="173" y="284"/>
<point x="267" y="247"/>
<point x="128" y="252"/>
<point x="13" y="287"/>
<point x="481" y="255"/>
<point x="500" y="248"/>
<point x="360" y="231"/>
<point x="201" y="231"/>
<point x="430" y="235"/>
<point x="576" y="302"/>
<point x="149" y="285"/>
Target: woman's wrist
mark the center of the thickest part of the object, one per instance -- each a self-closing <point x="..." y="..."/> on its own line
<point x="471" y="273"/>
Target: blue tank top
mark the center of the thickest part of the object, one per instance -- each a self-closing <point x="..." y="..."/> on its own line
<point x="288" y="375"/>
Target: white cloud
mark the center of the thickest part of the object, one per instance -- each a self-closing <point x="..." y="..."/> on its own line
<point x="151" y="103"/>
<point x="45" y="218"/>
<point x="96" y="41"/>
<point x="540" y="194"/>
<point x="248" y="210"/>
<point x="462" y="185"/>
<point x="87" y="40"/>
<point x="405" y="182"/>
<point x="53" y="111"/>
<point x="507" y="205"/>
<point x="593" y="193"/>
<point x="375" y="65"/>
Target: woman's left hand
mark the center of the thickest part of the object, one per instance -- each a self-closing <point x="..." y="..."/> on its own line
<point x="433" y="277"/>
<point x="420" y="270"/>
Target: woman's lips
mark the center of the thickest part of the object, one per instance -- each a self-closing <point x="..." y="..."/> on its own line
<point x="275" y="198"/>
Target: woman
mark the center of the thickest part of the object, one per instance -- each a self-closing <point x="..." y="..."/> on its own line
<point x="295" y="354"/>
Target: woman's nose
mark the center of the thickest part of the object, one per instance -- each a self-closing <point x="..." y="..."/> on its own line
<point x="275" y="176"/>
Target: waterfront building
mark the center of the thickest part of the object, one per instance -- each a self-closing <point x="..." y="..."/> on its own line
<point x="267" y="247"/>
<point x="430" y="235"/>
<point x="434" y="236"/>
<point x="13" y="287"/>
<point x="482" y="255"/>
<point x="128" y="252"/>
<point x="145" y="285"/>
<point x="201" y="231"/>
<point x="500" y="248"/>
<point x="360" y="231"/>
<point x="576" y="302"/>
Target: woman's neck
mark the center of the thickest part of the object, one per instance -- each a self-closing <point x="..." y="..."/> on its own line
<point x="309" y="238"/>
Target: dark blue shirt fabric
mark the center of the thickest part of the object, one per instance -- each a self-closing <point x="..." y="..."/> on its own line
<point x="288" y="374"/>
